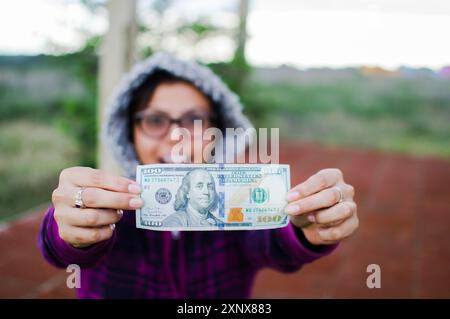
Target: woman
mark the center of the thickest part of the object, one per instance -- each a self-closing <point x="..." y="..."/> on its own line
<point x="92" y="222"/>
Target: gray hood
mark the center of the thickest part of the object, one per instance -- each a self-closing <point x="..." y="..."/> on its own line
<point x="115" y="131"/>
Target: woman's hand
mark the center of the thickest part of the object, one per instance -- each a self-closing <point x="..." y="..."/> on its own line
<point x="315" y="207"/>
<point x="104" y="195"/>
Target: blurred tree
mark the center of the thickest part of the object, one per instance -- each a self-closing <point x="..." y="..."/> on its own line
<point x="159" y="32"/>
<point x="239" y="61"/>
<point x="236" y="71"/>
<point x="79" y="116"/>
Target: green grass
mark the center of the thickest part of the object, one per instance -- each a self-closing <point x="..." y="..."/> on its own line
<point x="32" y="156"/>
<point x="398" y="115"/>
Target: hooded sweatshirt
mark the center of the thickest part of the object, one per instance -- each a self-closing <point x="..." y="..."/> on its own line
<point x="138" y="263"/>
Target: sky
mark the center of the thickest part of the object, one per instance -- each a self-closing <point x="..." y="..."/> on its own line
<point x="315" y="33"/>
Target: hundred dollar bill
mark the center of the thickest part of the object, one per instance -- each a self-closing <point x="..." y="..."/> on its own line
<point x="212" y="196"/>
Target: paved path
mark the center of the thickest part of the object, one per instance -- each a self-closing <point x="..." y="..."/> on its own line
<point x="405" y="218"/>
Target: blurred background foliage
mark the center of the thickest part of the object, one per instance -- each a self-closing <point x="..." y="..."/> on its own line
<point x="48" y="110"/>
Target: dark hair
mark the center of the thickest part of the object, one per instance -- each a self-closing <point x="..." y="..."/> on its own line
<point x="144" y="93"/>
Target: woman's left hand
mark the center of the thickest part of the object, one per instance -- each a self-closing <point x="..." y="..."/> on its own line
<point x="316" y="206"/>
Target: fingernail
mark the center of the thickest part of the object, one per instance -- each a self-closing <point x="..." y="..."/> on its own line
<point x="134" y="188"/>
<point x="136" y="202"/>
<point x="312" y="218"/>
<point x="292" y="195"/>
<point x="112" y="226"/>
<point x="292" y="209"/>
<point x="120" y="212"/>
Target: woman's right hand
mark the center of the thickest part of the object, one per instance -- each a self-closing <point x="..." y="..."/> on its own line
<point x="104" y="195"/>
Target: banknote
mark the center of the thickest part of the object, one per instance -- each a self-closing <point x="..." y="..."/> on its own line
<point x="212" y="196"/>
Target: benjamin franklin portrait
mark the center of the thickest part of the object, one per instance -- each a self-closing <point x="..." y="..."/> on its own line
<point x="195" y="200"/>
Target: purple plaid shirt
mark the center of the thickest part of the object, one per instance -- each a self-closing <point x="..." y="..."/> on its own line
<point x="138" y="263"/>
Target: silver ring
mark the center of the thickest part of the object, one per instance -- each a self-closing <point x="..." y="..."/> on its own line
<point x="79" y="198"/>
<point x="341" y="194"/>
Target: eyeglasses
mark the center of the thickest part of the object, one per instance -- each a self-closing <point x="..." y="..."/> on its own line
<point x="158" y="124"/>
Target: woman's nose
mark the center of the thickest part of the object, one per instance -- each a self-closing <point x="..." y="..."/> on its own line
<point x="168" y="136"/>
<point x="173" y="126"/>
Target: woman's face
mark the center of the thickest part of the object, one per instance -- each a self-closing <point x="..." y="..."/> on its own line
<point x="169" y="100"/>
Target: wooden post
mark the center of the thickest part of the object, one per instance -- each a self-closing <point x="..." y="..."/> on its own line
<point x="117" y="55"/>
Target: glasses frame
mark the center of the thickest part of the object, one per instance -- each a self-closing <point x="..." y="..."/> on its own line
<point x="139" y="117"/>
